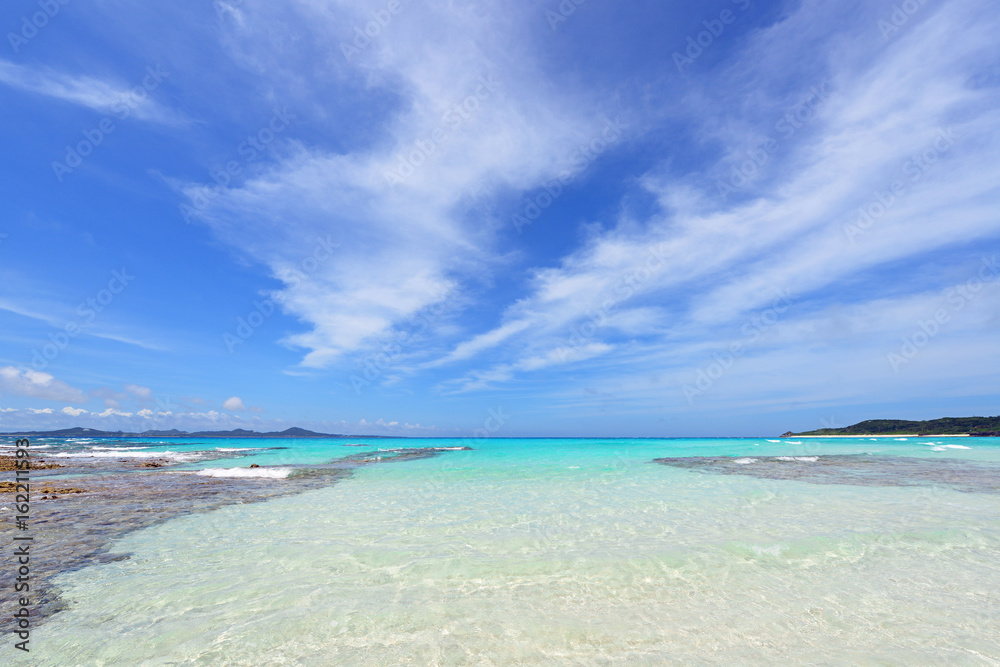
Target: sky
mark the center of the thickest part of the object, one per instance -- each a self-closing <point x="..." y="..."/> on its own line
<point x="498" y="219"/>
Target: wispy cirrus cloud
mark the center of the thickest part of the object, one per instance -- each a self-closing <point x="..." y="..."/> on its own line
<point x="92" y="92"/>
<point x="918" y="111"/>
<point x="406" y="208"/>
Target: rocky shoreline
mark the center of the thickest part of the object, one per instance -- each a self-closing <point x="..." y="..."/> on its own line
<point x="852" y="469"/>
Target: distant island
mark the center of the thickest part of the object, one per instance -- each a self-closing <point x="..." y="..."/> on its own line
<point x="975" y="426"/>
<point x="78" y="432"/>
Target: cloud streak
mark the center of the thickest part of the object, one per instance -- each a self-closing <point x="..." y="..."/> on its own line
<point x="409" y="243"/>
<point x="881" y="124"/>
<point x="91" y="92"/>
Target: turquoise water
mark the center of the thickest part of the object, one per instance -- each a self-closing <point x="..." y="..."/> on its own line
<point x="548" y="551"/>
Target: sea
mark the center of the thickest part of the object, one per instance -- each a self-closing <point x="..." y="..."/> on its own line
<point x="583" y="551"/>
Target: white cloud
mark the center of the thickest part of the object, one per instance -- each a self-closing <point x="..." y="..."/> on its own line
<point x="38" y="385"/>
<point x="91" y="92"/>
<point x="111" y="412"/>
<point x="29" y="311"/>
<point x="407" y="245"/>
<point x="564" y="355"/>
<point x="139" y="391"/>
<point x="483" y="341"/>
<point x="697" y="268"/>
<point x="73" y="412"/>
<point x="234" y="404"/>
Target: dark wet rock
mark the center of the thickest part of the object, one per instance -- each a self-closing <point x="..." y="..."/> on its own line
<point x="72" y="489"/>
<point x="852" y="469"/>
<point x="8" y="463"/>
<point x="254" y="465"/>
<point x="395" y="455"/>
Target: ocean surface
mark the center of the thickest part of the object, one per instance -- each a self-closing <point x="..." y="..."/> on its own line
<point x="748" y="551"/>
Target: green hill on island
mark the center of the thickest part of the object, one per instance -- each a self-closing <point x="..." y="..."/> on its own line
<point x="943" y="426"/>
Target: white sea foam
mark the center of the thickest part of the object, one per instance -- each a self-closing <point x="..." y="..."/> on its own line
<point x="900" y="439"/>
<point x="744" y="461"/>
<point x="117" y="449"/>
<point x="774" y="440"/>
<point x="127" y="454"/>
<point x="808" y="459"/>
<point x="941" y="448"/>
<point x="272" y="473"/>
<point x="422" y="449"/>
<point x="774" y="550"/>
<point x="794" y="442"/>
<point x="236" y="449"/>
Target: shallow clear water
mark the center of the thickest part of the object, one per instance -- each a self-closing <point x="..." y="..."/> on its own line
<point x="554" y="552"/>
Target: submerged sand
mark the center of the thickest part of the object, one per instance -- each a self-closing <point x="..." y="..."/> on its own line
<point x="79" y="506"/>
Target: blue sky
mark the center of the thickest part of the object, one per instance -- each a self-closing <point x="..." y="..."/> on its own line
<point x="593" y="219"/>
